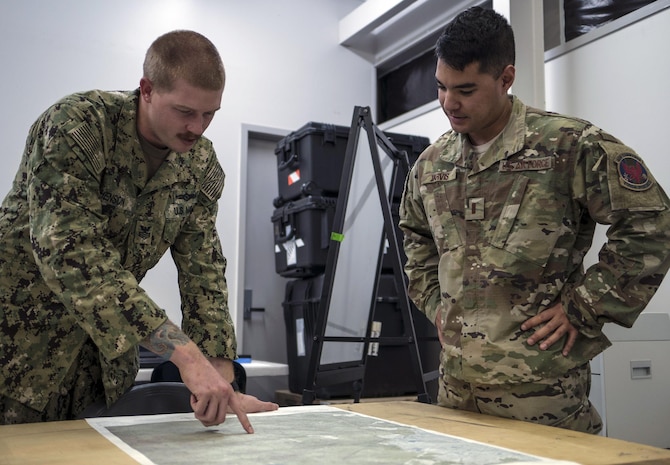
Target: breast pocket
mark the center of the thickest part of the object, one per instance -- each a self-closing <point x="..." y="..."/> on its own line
<point x="119" y="222"/>
<point x="178" y="209"/>
<point x="532" y="220"/>
<point x="442" y="218"/>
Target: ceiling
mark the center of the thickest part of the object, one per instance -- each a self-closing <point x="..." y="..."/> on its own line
<point x="387" y="32"/>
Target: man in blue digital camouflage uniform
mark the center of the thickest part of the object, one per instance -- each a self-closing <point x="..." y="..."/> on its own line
<point x="108" y="182"/>
<point x="498" y="215"/>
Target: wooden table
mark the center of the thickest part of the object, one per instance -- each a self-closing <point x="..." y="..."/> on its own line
<point x="75" y="442"/>
<point x="545" y="441"/>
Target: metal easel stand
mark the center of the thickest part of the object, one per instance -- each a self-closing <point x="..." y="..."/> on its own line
<point x="318" y="374"/>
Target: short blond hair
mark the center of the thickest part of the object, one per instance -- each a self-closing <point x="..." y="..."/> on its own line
<point x="184" y="55"/>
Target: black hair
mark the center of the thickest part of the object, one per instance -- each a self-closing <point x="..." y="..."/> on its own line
<point x="477" y="35"/>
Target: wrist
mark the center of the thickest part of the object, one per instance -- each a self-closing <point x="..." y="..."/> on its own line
<point x="224" y="367"/>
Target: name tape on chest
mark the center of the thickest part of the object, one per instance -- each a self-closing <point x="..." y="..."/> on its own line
<point x="441" y="176"/>
<point x="528" y="164"/>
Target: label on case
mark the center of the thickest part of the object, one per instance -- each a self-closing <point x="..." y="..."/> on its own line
<point x="300" y="336"/>
<point x="294" y="177"/>
<point x="291" y="252"/>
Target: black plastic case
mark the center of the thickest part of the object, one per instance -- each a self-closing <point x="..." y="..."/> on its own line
<point x="389" y="372"/>
<point x="310" y="160"/>
<point x="302" y="230"/>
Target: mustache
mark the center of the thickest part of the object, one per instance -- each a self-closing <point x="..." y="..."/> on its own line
<point x="189" y="136"/>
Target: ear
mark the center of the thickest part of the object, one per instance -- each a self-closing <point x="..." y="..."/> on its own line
<point x="146" y="88"/>
<point x="507" y="77"/>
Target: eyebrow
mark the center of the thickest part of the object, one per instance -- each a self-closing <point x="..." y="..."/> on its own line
<point x="187" y="108"/>
<point x="465" y="85"/>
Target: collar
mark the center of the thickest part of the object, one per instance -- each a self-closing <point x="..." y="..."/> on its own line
<point x="508" y="143"/>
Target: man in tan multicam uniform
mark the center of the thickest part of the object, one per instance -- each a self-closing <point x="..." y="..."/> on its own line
<point x="498" y="215"/>
<point x="108" y="182"/>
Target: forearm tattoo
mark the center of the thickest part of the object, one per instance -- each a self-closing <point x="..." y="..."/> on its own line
<point x="164" y="340"/>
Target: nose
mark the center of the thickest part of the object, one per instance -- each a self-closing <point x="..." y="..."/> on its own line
<point x="449" y="100"/>
<point x="197" y="125"/>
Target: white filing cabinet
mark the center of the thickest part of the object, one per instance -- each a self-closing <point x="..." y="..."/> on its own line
<point x="631" y="381"/>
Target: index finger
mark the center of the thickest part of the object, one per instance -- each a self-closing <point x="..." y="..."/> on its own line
<point x="236" y="406"/>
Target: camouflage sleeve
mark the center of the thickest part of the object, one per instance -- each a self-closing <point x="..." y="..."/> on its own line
<point x="422" y="254"/>
<point x="67" y="232"/>
<point x="201" y="267"/>
<point x="620" y="191"/>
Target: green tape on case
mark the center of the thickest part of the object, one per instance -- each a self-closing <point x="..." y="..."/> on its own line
<point x="339" y="237"/>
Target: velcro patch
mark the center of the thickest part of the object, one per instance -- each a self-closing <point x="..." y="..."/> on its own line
<point x="90" y="146"/>
<point x="633" y="174"/>
<point x="213" y="185"/>
<point x="631" y="186"/>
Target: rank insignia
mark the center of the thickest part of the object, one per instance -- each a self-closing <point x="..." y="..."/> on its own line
<point x="633" y="174"/>
<point x="474" y="209"/>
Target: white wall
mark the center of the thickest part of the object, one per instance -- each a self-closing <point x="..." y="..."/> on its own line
<point x="618" y="82"/>
<point x="285" y="68"/>
<point x="283" y="64"/>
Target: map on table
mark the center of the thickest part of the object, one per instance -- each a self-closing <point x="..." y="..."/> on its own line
<point x="309" y="435"/>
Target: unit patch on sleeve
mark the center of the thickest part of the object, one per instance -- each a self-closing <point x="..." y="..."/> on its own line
<point x="633" y="174"/>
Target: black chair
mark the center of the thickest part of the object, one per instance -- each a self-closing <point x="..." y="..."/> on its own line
<point x="145" y="399"/>
<point x="168" y="372"/>
<point x="166" y="393"/>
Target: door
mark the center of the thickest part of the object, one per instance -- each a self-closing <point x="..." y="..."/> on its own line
<point x="264" y="333"/>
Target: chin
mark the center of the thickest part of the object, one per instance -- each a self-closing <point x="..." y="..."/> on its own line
<point x="458" y="126"/>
